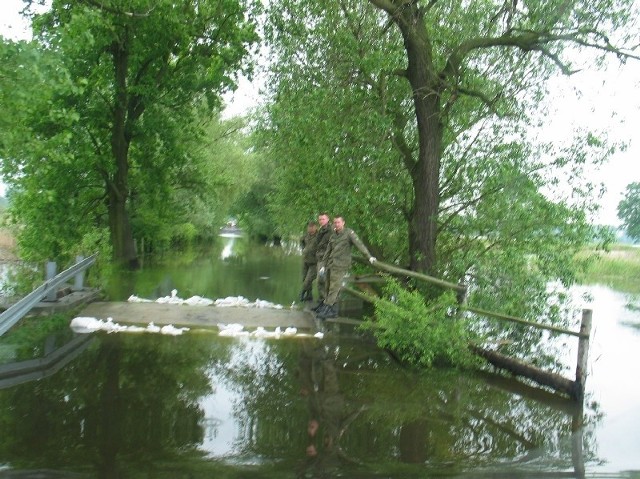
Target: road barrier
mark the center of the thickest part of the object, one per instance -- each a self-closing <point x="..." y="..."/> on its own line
<point x="49" y="288"/>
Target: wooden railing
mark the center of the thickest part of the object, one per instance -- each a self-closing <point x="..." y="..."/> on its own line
<point x="573" y="388"/>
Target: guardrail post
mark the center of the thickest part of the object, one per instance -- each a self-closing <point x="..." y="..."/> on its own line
<point x="79" y="277"/>
<point x="51" y="271"/>
<point x="50" y="287"/>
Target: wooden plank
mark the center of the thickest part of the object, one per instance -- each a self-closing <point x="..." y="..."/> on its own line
<point x="515" y="319"/>
<point x="423" y="277"/>
<point x="197" y="316"/>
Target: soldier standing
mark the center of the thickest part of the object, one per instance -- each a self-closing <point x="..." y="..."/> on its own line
<point x="336" y="264"/>
<point x="309" y="243"/>
<point x="324" y="233"/>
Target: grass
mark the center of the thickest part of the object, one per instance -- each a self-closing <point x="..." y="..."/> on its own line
<point x="618" y="268"/>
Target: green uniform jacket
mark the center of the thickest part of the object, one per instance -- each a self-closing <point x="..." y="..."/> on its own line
<point x="324" y="233"/>
<point x="338" y="254"/>
<point x="309" y="244"/>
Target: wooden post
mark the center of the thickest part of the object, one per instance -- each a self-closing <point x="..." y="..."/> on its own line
<point x="583" y="354"/>
<point x="577" y="438"/>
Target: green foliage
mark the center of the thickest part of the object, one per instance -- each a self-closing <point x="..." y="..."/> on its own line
<point x="629" y="210"/>
<point x="326" y="136"/>
<point x="618" y="268"/>
<point x="29" y="335"/>
<point x="421" y="333"/>
<point x="112" y="107"/>
<point x="343" y="134"/>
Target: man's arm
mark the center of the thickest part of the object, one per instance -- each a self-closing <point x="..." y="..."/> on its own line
<point x="353" y="237"/>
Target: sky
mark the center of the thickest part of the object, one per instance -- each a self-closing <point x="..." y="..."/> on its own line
<point x="609" y="102"/>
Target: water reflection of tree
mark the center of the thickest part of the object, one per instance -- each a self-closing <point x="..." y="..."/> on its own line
<point x="267" y="410"/>
<point x="124" y="404"/>
<point x="347" y="407"/>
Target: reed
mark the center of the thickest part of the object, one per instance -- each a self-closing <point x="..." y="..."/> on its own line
<point x="619" y="268"/>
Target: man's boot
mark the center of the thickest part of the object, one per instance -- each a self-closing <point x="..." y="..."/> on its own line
<point x="322" y="310"/>
<point x="328" y="312"/>
<point x="318" y="306"/>
<point x="331" y="312"/>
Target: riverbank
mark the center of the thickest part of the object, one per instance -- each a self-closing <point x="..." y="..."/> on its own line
<point x="618" y="268"/>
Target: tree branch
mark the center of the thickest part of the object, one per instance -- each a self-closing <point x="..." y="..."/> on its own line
<point x="386" y="5"/>
<point x="489" y="102"/>
<point x="398" y="139"/>
<point x="529" y="41"/>
<point x="106" y="8"/>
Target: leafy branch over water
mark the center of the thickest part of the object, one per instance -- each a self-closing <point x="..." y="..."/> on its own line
<point x="418" y="332"/>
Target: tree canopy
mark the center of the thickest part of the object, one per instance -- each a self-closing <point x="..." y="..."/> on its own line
<point x="629" y="210"/>
<point x="112" y="100"/>
<point x="420" y="122"/>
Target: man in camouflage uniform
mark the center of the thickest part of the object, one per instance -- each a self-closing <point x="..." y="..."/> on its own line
<point x="309" y="243"/>
<point x="324" y="233"/>
<point x="336" y="264"/>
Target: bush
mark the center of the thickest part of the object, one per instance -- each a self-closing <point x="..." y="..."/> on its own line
<point x="421" y="333"/>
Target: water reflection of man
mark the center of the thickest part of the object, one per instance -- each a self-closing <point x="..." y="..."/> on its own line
<point x="328" y="417"/>
<point x="312" y="430"/>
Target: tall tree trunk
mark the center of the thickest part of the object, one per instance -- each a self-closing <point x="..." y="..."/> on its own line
<point x="425" y="85"/>
<point x="120" y="229"/>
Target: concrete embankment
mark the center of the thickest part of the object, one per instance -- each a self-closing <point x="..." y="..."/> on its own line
<point x="198" y="316"/>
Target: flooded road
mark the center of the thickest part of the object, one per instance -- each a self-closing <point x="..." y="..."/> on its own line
<point x="200" y="405"/>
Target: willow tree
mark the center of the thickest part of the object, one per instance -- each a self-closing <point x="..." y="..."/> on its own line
<point x="434" y="74"/>
<point x="519" y="36"/>
<point x="139" y="75"/>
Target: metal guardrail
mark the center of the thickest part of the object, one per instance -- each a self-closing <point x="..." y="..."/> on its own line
<point x="15" y="312"/>
<point x="21" y="372"/>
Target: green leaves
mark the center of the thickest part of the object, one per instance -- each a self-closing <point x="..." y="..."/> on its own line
<point x="428" y="136"/>
<point x="629" y="210"/>
<point x="421" y="333"/>
<point x="105" y="124"/>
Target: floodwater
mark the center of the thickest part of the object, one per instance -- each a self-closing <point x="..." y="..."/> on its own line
<point x="200" y="405"/>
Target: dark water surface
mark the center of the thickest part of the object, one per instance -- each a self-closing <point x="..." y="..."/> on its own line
<point x="200" y="405"/>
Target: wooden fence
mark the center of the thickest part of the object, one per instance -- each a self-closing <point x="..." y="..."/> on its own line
<point x="574" y="388"/>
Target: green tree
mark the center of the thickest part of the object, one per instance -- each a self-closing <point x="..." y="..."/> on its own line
<point x="425" y="133"/>
<point x="138" y="78"/>
<point x="474" y="60"/>
<point x="448" y="98"/>
<point x="629" y="210"/>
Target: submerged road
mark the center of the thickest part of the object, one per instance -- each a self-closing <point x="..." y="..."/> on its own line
<point x="198" y="316"/>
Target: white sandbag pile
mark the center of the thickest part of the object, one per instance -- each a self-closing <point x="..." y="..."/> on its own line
<point x="91" y="325"/>
<point x="228" y="302"/>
